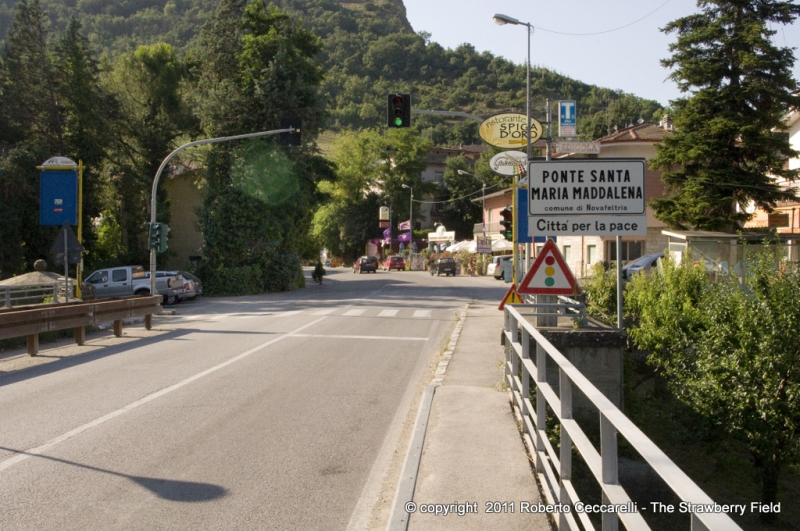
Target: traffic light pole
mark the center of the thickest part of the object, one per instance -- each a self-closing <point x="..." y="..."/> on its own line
<point x="291" y="129"/>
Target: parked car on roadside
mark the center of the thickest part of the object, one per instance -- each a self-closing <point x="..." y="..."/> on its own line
<point x="198" y="284"/>
<point x="644" y="264"/>
<point x="189" y="291"/>
<point x="444" y="265"/>
<point x="366" y="263"/>
<point x="496" y="262"/>
<point x="394" y="262"/>
<point x="499" y="269"/>
<point x="126" y="281"/>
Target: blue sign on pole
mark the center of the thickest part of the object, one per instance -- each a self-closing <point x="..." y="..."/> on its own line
<point x="58" y="197"/>
<point x="567" y="118"/>
<point x="522" y="220"/>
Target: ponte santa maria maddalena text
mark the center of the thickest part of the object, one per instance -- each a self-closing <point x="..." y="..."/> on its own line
<point x="587" y="197"/>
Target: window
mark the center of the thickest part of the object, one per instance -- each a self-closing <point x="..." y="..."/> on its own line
<point x="438" y="177"/>
<point x="567" y="252"/>
<point x="119" y="275"/>
<point x="98" y="277"/>
<point x="631" y="250"/>
<point x="539" y="249"/>
<point x="591" y="254"/>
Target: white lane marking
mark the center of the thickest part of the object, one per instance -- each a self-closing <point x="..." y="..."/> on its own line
<point x="388" y="313"/>
<point x="288" y="314"/>
<point x="422" y="313"/>
<point x="149" y="398"/>
<point x="393" y="338"/>
<point x="324" y="312"/>
<point x="354" y="313"/>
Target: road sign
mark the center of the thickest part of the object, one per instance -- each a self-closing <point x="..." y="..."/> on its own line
<point x="66" y="241"/>
<point x="549" y="274"/>
<point x="483" y="245"/>
<point x="602" y="197"/>
<point x="509" y="131"/>
<point x="592" y="148"/>
<point x="509" y="163"/>
<point x="511" y="297"/>
<point x="567" y="120"/>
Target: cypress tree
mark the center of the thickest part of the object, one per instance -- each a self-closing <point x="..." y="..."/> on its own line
<point x="726" y="149"/>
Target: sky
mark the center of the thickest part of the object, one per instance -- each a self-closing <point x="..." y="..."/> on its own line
<point x="626" y="59"/>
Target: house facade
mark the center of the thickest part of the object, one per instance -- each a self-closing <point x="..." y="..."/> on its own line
<point x="786" y="218"/>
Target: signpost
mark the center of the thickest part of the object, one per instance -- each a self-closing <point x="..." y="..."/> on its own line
<point x="601" y="197"/>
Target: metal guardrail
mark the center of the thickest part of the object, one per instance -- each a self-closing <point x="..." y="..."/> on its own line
<point x="555" y="470"/>
<point x="30" y="321"/>
<point x="30" y="293"/>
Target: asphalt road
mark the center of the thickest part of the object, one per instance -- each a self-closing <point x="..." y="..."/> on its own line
<point x="283" y="411"/>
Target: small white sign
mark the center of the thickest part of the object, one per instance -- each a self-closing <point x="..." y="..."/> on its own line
<point x="507" y="162"/>
<point x="593" y="148"/>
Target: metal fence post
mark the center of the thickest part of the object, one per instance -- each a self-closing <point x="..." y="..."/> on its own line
<point x="7" y="297"/>
<point x="526" y="377"/>
<point x="565" y="445"/>
<point x="541" y="404"/>
<point x="608" y="455"/>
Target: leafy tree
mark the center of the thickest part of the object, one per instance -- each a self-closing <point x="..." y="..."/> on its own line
<point x="371" y="170"/>
<point x="150" y="85"/>
<point x="724" y="151"/>
<point x="258" y="66"/>
<point x="731" y="353"/>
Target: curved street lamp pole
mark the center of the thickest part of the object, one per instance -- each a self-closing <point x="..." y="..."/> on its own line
<point x="164" y="165"/>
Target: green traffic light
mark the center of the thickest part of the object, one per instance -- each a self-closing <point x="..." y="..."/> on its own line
<point x="398" y="122"/>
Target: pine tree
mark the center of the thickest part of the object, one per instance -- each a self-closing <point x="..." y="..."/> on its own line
<point x="726" y="149"/>
<point x="30" y="134"/>
<point x="87" y="112"/>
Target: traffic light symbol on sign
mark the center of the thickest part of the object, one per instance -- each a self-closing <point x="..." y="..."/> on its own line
<point x="507" y="223"/>
<point x="398" y="110"/>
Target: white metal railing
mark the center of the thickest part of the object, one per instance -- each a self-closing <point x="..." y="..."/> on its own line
<point x="33" y="293"/>
<point x="555" y="470"/>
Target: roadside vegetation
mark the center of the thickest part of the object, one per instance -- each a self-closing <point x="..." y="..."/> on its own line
<point x="714" y="373"/>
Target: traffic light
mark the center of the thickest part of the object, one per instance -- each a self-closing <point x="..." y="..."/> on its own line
<point x="398" y="110"/>
<point x="163" y="232"/>
<point x="152" y="236"/>
<point x="290" y="139"/>
<point x="507" y="224"/>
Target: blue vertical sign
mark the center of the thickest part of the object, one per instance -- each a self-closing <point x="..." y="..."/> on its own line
<point x="522" y="219"/>
<point x="58" y="197"/>
<point x="567" y="118"/>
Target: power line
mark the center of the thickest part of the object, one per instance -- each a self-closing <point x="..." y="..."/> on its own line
<point x="606" y="31"/>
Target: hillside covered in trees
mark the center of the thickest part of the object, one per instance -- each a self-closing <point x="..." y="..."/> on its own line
<point x="369" y="50"/>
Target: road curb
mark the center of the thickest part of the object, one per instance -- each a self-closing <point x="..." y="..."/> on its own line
<point x="398" y="519"/>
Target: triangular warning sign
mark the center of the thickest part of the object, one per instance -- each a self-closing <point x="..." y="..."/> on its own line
<point x="512" y="297"/>
<point x="549" y="274"/>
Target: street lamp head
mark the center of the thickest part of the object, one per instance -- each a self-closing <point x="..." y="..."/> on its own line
<point x="502" y="20"/>
<point x="405" y="186"/>
<point x="462" y="172"/>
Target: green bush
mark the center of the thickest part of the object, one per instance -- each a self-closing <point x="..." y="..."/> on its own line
<point x="730" y="351"/>
<point x="601" y="293"/>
